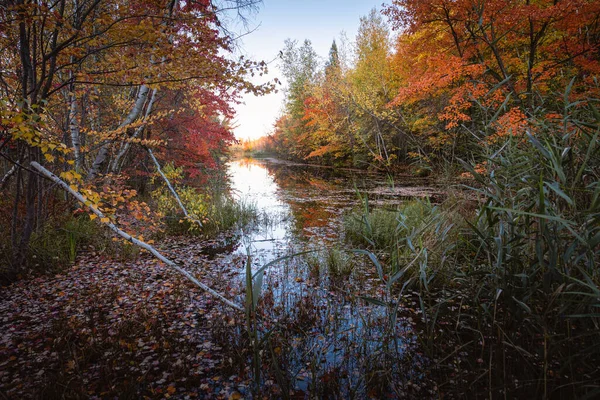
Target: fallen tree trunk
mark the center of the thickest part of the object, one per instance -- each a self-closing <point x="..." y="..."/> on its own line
<point x="133" y="240"/>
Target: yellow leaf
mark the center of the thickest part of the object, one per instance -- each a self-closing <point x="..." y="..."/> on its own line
<point x="49" y="157"/>
<point x="105" y="220"/>
<point x="93" y="216"/>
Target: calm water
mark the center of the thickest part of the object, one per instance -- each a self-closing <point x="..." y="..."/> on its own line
<point x="331" y="332"/>
<point x="303" y="204"/>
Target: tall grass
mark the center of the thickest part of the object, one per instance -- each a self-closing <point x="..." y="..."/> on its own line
<point x="213" y="205"/>
<point x="511" y="294"/>
<point x="396" y="236"/>
<point x="534" y="246"/>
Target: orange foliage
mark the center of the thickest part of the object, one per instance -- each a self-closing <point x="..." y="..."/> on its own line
<point x="453" y="53"/>
<point x="514" y="123"/>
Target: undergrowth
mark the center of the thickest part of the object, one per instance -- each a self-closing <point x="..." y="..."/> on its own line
<point x="212" y="205"/>
<point x="509" y="297"/>
<point x="61" y="238"/>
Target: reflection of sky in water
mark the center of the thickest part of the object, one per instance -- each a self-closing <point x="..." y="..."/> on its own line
<point x="302" y="210"/>
<point x="252" y="182"/>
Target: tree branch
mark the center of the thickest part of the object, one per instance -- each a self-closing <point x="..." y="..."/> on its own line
<point x="135" y="241"/>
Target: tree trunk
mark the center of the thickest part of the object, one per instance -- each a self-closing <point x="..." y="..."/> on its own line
<point x="172" y="189"/>
<point x="135" y="241"/>
<point x="7" y="176"/>
<point x="74" y="130"/>
<point x="127" y="144"/>
<point x="131" y="117"/>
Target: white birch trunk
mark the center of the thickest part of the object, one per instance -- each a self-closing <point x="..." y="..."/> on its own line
<point x="74" y="130"/>
<point x="171" y="188"/>
<point x="131" y="117"/>
<point x="6" y="177"/>
<point x="127" y="143"/>
<point x="135" y="241"/>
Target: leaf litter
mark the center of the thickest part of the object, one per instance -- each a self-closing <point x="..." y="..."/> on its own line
<point x="108" y="329"/>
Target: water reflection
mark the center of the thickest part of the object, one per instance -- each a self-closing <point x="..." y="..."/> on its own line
<point x="306" y="203"/>
<point x="302" y="207"/>
<point x="295" y="204"/>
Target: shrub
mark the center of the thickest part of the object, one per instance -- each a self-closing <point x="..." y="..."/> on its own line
<point x="214" y="207"/>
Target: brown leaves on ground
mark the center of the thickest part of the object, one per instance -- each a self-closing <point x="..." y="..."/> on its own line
<point x="104" y="329"/>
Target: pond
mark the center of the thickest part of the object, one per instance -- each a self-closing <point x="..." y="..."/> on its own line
<point x="337" y="330"/>
<point x="306" y="203"/>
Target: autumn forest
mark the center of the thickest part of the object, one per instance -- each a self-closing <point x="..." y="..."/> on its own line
<point x="422" y="220"/>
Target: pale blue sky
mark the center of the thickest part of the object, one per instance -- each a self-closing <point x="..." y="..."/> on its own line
<point x="277" y="20"/>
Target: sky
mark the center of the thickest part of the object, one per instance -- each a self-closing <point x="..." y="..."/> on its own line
<point x="320" y="21"/>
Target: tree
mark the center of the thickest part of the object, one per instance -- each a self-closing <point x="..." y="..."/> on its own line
<point x="299" y="66"/>
<point x="453" y="54"/>
<point x="88" y="81"/>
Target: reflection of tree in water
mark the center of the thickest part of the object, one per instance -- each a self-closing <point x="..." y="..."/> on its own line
<point x="247" y="162"/>
<point x="318" y="196"/>
<point x="304" y="189"/>
<point x="311" y="218"/>
<point x="316" y="177"/>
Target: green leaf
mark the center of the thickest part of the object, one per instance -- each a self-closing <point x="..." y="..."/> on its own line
<point x="275" y="261"/>
<point x="373" y="301"/>
<point x="594" y="241"/>
<point x="523" y="305"/>
<point x="555" y="187"/>
<point x="539" y="146"/>
<point x="373" y="260"/>
<point x="256" y="287"/>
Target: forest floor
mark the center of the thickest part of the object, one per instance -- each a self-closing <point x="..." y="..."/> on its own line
<point x="108" y="329"/>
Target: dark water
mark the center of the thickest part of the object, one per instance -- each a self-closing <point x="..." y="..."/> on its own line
<point x="331" y="332"/>
<point x="304" y="203"/>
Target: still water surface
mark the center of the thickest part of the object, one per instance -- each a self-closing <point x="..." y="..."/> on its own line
<point x="302" y="208"/>
<point x="306" y="203"/>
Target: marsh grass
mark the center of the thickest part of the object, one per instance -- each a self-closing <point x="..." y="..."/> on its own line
<point x="383" y="229"/>
<point x="214" y="206"/>
<point x="513" y="295"/>
<point x="340" y="264"/>
<point x="62" y="237"/>
<point x="508" y="291"/>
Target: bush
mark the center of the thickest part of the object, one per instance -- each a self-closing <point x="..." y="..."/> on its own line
<point x="214" y="207"/>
